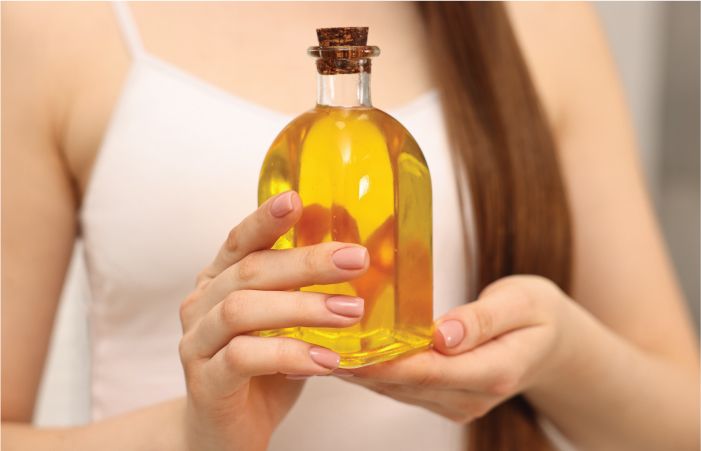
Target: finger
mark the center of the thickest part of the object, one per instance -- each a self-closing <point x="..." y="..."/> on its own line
<point x="419" y="370"/>
<point x="246" y="356"/>
<point x="495" y="368"/>
<point x="286" y="269"/>
<point x="496" y="313"/>
<point x="403" y="393"/>
<point x="407" y="392"/>
<point x="257" y="231"/>
<point x="247" y="310"/>
<point x="458" y="405"/>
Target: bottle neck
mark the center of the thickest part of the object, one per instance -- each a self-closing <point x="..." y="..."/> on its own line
<point x="343" y="90"/>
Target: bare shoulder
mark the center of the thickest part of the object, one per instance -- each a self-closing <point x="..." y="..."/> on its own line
<point x="57" y="59"/>
<point x="54" y="35"/>
<point x="622" y="273"/>
<point x="63" y="64"/>
<point x="566" y="49"/>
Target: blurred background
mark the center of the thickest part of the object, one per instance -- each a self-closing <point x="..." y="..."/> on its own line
<point x="656" y="48"/>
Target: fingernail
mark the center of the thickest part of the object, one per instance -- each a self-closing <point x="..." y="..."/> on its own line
<point x="296" y="377"/>
<point x="324" y="357"/>
<point x="346" y="306"/>
<point x="350" y="257"/>
<point x="282" y="205"/>
<point x="453" y="332"/>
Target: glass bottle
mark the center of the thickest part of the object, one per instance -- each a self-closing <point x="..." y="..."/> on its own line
<point x="362" y="179"/>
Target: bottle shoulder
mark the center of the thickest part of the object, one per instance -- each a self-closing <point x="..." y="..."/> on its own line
<point x="351" y="120"/>
<point x="352" y="125"/>
<point x="346" y="114"/>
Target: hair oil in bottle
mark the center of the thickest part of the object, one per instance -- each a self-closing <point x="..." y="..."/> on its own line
<point x="362" y="179"/>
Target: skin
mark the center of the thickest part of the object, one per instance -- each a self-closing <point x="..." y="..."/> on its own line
<point x="617" y="369"/>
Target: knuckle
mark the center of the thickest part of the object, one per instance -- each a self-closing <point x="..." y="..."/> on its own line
<point x="201" y="279"/>
<point x="541" y="282"/>
<point x="184" y="349"/>
<point x="311" y="260"/>
<point x="234" y="355"/>
<point x="232" y="308"/>
<point x="188" y="356"/>
<point x="494" y="286"/>
<point x="522" y="299"/>
<point x="532" y="293"/>
<point x="537" y="298"/>
<point x="302" y="306"/>
<point x="248" y="267"/>
<point x="232" y="242"/>
<point x="522" y="296"/>
<point x="284" y="352"/>
<point x="186" y="306"/>
<point x="549" y="296"/>
<point x="482" y="322"/>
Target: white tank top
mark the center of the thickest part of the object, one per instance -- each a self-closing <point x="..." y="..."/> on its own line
<point x="177" y="169"/>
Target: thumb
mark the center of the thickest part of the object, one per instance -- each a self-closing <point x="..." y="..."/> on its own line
<point x="497" y="312"/>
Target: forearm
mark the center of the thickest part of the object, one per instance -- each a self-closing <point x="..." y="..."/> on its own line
<point x="160" y="427"/>
<point x="608" y="394"/>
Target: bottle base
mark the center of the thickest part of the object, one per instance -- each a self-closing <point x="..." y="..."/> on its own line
<point x="379" y="346"/>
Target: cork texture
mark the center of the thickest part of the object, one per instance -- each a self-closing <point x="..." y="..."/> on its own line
<point x="342" y="36"/>
<point x="342" y="50"/>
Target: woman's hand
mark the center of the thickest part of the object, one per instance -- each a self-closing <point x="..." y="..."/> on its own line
<point x="508" y="341"/>
<point x="240" y="386"/>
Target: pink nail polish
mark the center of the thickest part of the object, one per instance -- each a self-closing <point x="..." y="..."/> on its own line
<point x="453" y="332"/>
<point x="350" y="257"/>
<point x="346" y="306"/>
<point x="324" y="357"/>
<point x="282" y="205"/>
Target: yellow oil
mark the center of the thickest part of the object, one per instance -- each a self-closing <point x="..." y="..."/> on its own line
<point x="362" y="179"/>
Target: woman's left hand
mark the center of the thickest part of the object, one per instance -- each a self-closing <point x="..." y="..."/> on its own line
<point x="506" y="342"/>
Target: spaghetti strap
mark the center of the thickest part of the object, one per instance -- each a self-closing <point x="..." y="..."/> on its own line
<point x="128" y="28"/>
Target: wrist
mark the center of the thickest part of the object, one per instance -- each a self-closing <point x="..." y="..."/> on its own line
<point x="206" y="430"/>
<point x="571" y="354"/>
<point x="586" y="356"/>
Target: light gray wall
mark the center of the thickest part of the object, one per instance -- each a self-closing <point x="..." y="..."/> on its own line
<point x="679" y="162"/>
<point x="635" y="32"/>
<point x="656" y="47"/>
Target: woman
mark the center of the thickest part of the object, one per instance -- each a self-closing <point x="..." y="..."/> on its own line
<point x="588" y="333"/>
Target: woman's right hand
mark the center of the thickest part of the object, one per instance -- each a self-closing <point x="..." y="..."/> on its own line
<point x="240" y="386"/>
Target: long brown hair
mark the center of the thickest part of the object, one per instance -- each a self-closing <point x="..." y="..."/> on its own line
<point x="501" y="140"/>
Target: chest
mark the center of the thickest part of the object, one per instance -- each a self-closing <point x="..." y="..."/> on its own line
<point x="254" y="52"/>
<point x="179" y="167"/>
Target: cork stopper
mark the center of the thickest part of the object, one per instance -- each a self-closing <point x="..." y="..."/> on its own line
<point x="343" y="50"/>
<point x="342" y="36"/>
